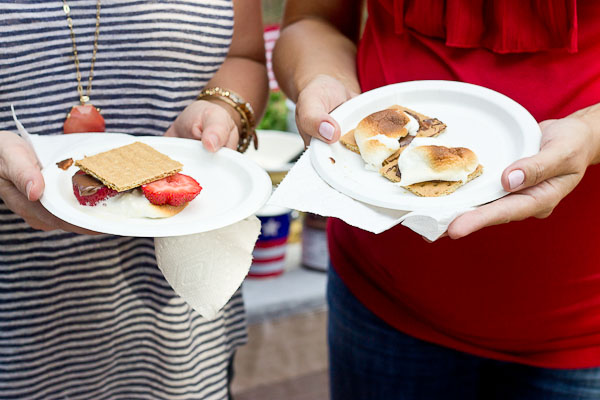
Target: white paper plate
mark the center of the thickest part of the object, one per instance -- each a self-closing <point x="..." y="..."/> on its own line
<point x="276" y="149"/>
<point x="233" y="188"/>
<point x="495" y="127"/>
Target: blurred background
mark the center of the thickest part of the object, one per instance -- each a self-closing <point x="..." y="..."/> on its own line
<point x="276" y="114"/>
<point x="286" y="354"/>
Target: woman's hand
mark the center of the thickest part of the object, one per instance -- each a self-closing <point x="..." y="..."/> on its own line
<point x="208" y="121"/>
<point x="315" y="101"/>
<point x="22" y="184"/>
<point x="538" y="183"/>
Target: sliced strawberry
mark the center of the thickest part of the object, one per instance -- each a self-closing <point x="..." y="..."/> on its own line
<point x="175" y="190"/>
<point x="89" y="191"/>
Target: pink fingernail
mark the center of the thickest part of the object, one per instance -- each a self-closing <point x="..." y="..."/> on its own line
<point x="326" y="130"/>
<point x="516" y="178"/>
<point x="211" y="141"/>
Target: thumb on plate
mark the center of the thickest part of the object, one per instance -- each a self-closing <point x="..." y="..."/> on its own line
<point x="315" y="102"/>
<point x="19" y="165"/>
<point x="530" y="171"/>
<point x="217" y="129"/>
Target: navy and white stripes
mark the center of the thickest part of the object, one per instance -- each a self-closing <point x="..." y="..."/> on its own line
<point x="153" y="58"/>
<point x="91" y="317"/>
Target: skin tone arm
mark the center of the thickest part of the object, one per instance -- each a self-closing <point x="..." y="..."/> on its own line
<point x="314" y="61"/>
<point x="244" y="72"/>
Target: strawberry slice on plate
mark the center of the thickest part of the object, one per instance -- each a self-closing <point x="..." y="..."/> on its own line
<point x="174" y="190"/>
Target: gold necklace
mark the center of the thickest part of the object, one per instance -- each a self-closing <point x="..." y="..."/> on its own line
<point x="83" y="117"/>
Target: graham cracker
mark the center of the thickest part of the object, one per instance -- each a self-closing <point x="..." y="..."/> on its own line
<point x="390" y="170"/>
<point x="428" y="127"/>
<point x="441" y="188"/>
<point x="349" y="141"/>
<point x="129" y="166"/>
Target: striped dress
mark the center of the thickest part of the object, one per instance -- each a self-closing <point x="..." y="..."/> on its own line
<point x="91" y="317"/>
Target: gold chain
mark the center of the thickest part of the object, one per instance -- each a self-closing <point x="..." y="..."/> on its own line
<point x="83" y="98"/>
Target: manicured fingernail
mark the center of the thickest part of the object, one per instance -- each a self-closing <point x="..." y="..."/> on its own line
<point x="28" y="189"/>
<point x="211" y="141"/>
<point x="326" y="130"/>
<point x="516" y="178"/>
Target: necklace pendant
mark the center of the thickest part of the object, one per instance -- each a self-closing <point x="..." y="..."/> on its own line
<point x="84" y="118"/>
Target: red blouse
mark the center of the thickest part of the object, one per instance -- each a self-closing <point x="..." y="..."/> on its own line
<point x="526" y="291"/>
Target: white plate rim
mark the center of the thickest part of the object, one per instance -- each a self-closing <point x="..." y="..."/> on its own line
<point x="261" y="190"/>
<point x="282" y="136"/>
<point x="321" y="151"/>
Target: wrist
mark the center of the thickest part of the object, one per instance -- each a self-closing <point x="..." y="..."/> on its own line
<point x="350" y="85"/>
<point x="235" y="116"/>
<point x="593" y="140"/>
<point x="245" y="113"/>
<point x="594" y="134"/>
<point x="590" y="118"/>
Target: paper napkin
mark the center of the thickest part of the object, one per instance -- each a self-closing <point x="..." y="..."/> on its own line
<point x="302" y="189"/>
<point x="205" y="269"/>
<point x="21" y="131"/>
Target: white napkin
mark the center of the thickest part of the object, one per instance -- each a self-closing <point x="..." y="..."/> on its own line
<point x="302" y="189"/>
<point x="23" y="132"/>
<point x="205" y="269"/>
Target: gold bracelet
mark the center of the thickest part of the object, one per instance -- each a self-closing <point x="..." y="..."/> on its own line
<point x="248" y="132"/>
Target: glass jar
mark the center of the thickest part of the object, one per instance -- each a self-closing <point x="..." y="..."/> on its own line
<point x="315" y="254"/>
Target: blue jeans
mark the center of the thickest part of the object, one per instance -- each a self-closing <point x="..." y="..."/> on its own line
<point x="371" y="360"/>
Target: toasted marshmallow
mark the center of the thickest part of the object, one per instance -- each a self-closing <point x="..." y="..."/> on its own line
<point x="133" y="204"/>
<point x="423" y="161"/>
<point x="376" y="149"/>
<point x="412" y="126"/>
<point x="377" y="135"/>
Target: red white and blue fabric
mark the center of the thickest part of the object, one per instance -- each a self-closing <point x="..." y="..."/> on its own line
<point x="269" y="251"/>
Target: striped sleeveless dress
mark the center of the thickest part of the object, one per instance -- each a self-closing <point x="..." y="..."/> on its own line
<point x="91" y="317"/>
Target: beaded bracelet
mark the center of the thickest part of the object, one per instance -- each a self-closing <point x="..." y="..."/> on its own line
<point x="248" y="132"/>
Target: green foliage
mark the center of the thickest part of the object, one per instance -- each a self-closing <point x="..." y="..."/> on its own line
<point x="275" y="117"/>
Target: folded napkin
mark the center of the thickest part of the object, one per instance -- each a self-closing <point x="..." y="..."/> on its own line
<point x="205" y="269"/>
<point x="302" y="189"/>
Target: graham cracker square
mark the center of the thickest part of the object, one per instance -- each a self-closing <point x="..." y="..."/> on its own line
<point x="441" y="188"/>
<point x="129" y="166"/>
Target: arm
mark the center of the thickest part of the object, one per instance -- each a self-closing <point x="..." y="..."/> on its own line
<point x="243" y="72"/>
<point x="314" y="61"/>
<point x="538" y="183"/>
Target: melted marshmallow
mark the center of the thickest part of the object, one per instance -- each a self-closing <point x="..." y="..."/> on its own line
<point x="415" y="167"/>
<point x="375" y="155"/>
<point x="132" y="204"/>
<point x="412" y="126"/>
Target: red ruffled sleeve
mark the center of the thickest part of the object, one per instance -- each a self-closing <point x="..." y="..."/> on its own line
<point x="503" y="26"/>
